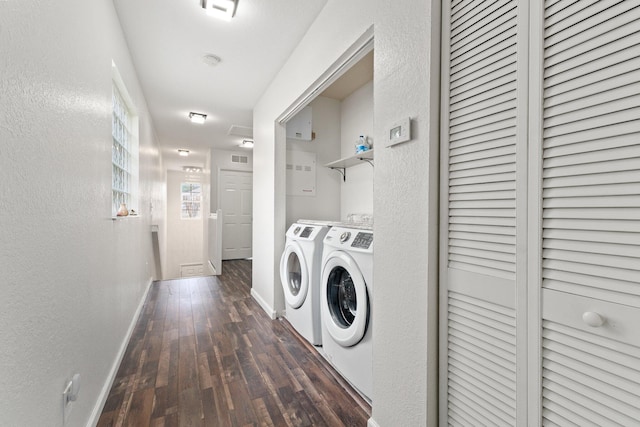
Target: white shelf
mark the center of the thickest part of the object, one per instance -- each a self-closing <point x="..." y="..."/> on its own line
<point x="342" y="164"/>
<point x="356" y="159"/>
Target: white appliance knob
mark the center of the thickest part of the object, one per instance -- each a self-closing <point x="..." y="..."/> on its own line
<point x="296" y="230"/>
<point x="344" y="236"/>
<point x="592" y="319"/>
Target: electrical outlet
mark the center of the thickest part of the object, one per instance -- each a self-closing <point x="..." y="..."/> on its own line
<point x="67" y="403"/>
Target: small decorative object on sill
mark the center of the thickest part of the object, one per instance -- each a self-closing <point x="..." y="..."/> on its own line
<point x="123" y="211"/>
<point x="132" y="212"/>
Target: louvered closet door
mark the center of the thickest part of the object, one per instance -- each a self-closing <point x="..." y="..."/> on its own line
<point x="478" y="213"/>
<point x="591" y="214"/>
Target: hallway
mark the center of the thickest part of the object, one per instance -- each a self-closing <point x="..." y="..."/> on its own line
<point x="203" y="353"/>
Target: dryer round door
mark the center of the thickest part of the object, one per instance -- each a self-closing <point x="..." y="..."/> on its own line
<point x="294" y="275"/>
<point x="345" y="303"/>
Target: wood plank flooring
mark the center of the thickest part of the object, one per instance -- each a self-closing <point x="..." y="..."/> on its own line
<point x="203" y="353"/>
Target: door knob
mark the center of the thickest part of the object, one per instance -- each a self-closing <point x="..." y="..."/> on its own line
<point x="592" y="319"/>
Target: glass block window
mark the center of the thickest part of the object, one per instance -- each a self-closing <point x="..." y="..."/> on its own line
<point x="191" y="200"/>
<point x="124" y="149"/>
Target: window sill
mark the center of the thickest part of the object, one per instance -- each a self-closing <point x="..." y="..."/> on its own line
<point x="119" y="218"/>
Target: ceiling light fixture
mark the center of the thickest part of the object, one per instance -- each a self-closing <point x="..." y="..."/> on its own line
<point x="223" y="9"/>
<point x="192" y="169"/>
<point x="183" y="153"/>
<point x="247" y="143"/>
<point x="197" y="117"/>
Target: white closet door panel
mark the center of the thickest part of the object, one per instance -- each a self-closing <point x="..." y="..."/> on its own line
<point x="586" y="181"/>
<point x="481" y="362"/>
<point x="598" y="145"/>
<point x="602" y="225"/>
<point x="585" y="59"/>
<point x="495" y="195"/>
<point x="484" y="107"/>
<point x="490" y="108"/>
<point x="482" y="147"/>
<point x="607" y="10"/>
<point x="602" y="167"/>
<point x="605" y="289"/>
<point x="484" y="90"/>
<point x="590" y="236"/>
<point x="479" y="261"/>
<point x="591" y="213"/>
<point x="468" y="59"/>
<point x="485" y="171"/>
<point x="621" y="66"/>
<point x="611" y="102"/>
<point x="486" y="177"/>
<point x="481" y="73"/>
<point x="487" y="238"/>
<point x="489" y="17"/>
<point x="609" y="132"/>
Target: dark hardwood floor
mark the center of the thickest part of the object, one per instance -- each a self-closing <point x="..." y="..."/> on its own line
<point x="203" y="353"/>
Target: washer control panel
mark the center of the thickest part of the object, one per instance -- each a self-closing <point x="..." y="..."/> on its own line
<point x="350" y="239"/>
<point x="362" y="240"/>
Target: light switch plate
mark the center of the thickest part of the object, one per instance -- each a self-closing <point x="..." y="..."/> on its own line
<point x="399" y="132"/>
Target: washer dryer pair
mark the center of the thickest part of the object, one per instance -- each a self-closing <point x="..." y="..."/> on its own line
<point x="300" y="273"/>
<point x="346" y="295"/>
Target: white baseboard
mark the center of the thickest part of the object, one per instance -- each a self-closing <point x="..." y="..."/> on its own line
<point x="104" y="393"/>
<point x="372" y="423"/>
<point x="266" y="307"/>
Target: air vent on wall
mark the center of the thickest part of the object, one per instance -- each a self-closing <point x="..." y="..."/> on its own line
<point x="239" y="159"/>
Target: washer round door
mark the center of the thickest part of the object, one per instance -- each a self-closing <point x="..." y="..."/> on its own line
<point x="345" y="303"/>
<point x="294" y="275"/>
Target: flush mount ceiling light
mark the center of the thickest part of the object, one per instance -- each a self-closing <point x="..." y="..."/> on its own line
<point x="183" y="153"/>
<point x="247" y="143"/>
<point x="223" y="9"/>
<point x="192" y="169"/>
<point x="197" y="117"/>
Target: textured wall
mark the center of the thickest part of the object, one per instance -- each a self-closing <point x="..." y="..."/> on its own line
<point x="356" y="193"/>
<point x="71" y="279"/>
<point x="406" y="84"/>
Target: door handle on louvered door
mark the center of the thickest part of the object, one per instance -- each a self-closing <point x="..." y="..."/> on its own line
<point x="592" y="319"/>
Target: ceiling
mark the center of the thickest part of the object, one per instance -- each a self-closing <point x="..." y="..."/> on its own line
<point x="168" y="40"/>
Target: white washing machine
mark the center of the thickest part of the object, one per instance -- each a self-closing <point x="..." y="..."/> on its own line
<point x="300" y="270"/>
<point x="346" y="295"/>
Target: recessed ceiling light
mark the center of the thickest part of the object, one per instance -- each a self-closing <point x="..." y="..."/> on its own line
<point x="211" y="59"/>
<point x="183" y="153"/>
<point x="247" y="143"/>
<point x="197" y="117"/>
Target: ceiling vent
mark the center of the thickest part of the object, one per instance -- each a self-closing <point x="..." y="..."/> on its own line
<point x="239" y="159"/>
<point x="243" y="131"/>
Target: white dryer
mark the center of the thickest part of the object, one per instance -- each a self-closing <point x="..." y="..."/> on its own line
<point x="300" y="269"/>
<point x="347" y="286"/>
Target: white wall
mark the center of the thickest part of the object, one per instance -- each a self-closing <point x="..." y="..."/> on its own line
<point x="71" y="277"/>
<point x="185" y="236"/>
<point x="356" y="117"/>
<point x="405" y="200"/>
<point x="325" y="205"/>
<point x="406" y="70"/>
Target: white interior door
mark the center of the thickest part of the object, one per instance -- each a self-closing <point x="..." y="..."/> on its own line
<point x="236" y="198"/>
